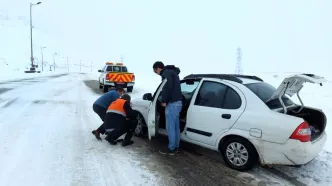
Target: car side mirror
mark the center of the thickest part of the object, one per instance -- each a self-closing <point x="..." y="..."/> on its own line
<point x="147" y="96"/>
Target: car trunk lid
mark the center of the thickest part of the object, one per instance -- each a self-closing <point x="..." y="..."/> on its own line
<point x="292" y="85"/>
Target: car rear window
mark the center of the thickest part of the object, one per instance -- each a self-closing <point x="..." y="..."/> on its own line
<point x="264" y="91"/>
<point x="116" y="69"/>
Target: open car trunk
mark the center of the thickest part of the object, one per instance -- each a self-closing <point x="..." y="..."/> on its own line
<point x="293" y="85"/>
<point x="314" y="117"/>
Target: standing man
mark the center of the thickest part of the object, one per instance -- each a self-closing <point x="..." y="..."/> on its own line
<point x="100" y="107"/>
<point x="120" y="119"/>
<point x="171" y="99"/>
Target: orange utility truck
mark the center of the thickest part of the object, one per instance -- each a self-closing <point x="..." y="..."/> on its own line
<point x="116" y="75"/>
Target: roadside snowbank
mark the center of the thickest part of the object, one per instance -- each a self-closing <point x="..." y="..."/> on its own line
<point x="16" y="75"/>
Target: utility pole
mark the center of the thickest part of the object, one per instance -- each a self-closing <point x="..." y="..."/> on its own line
<point x="54" y="60"/>
<point x="122" y="58"/>
<point x="68" y="63"/>
<point x="41" y="48"/>
<point x="238" y="69"/>
<point x="31" y="45"/>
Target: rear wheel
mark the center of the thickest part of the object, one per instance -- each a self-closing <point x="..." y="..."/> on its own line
<point x="239" y="153"/>
<point x="130" y="89"/>
<point x="100" y="86"/>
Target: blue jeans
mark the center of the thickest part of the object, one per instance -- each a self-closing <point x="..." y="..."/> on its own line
<point x="172" y="113"/>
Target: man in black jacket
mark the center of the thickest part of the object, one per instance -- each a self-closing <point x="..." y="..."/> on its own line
<point x="120" y="119"/>
<point x="171" y="99"/>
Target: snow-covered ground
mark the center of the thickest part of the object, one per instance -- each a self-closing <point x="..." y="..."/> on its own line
<point x="44" y="138"/>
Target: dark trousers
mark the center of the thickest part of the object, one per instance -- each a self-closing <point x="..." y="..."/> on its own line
<point x="101" y="111"/>
<point x="128" y="127"/>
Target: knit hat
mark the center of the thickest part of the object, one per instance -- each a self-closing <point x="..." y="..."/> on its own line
<point x="126" y="97"/>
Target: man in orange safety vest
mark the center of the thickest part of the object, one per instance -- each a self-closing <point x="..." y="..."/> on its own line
<point x="120" y="119"/>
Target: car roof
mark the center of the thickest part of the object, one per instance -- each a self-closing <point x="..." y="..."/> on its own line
<point x="249" y="81"/>
<point x="243" y="79"/>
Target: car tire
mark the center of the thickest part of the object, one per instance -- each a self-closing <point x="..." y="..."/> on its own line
<point x="130" y="89"/>
<point x="105" y="88"/>
<point x="141" y="125"/>
<point x="100" y="86"/>
<point x="232" y="147"/>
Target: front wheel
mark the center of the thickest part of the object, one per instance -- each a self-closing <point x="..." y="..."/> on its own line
<point x="239" y="154"/>
<point x="141" y="125"/>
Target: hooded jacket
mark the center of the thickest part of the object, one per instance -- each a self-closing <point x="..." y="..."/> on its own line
<point x="172" y="90"/>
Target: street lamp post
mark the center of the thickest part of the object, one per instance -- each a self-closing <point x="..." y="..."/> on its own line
<point x="31" y="57"/>
<point x="68" y="63"/>
<point x="54" y="60"/>
<point x="81" y="66"/>
<point x="41" y="48"/>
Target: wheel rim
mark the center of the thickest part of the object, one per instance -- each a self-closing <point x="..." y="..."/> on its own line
<point x="139" y="127"/>
<point x="237" y="154"/>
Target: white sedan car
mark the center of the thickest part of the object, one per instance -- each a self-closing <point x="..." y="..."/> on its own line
<point x="242" y="117"/>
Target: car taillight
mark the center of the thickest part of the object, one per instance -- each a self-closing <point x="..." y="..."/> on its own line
<point x="107" y="76"/>
<point x="133" y="78"/>
<point x="302" y="133"/>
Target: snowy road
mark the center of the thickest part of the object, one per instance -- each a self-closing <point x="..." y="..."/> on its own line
<point x="45" y="139"/>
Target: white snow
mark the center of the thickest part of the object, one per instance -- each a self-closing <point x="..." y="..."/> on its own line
<point x="45" y="138"/>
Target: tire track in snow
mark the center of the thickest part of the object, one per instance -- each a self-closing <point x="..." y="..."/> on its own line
<point x="84" y="172"/>
<point x="9" y="103"/>
<point x="119" y="164"/>
<point x="21" y="137"/>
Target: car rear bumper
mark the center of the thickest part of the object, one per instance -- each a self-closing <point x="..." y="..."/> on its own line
<point x="293" y="152"/>
<point x="123" y="85"/>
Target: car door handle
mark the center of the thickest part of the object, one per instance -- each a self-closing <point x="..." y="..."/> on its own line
<point x="226" y="116"/>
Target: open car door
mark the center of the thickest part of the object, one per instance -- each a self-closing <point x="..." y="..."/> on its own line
<point x="293" y="85"/>
<point x="153" y="121"/>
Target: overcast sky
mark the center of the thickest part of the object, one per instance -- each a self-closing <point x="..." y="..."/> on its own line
<point x="198" y="36"/>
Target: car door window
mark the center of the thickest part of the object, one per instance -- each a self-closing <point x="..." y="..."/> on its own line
<point x="232" y="99"/>
<point x="218" y="95"/>
<point x="211" y="94"/>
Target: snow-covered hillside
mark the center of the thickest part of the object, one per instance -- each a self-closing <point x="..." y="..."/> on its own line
<point x="15" y="48"/>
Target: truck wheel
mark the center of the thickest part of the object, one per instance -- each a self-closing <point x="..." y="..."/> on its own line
<point x="130" y="89"/>
<point x="105" y="89"/>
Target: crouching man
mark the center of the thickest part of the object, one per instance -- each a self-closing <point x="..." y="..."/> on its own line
<point x="100" y="108"/>
<point x="120" y="119"/>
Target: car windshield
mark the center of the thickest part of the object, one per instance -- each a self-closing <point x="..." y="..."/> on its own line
<point x="189" y="87"/>
<point x="116" y="69"/>
<point x="264" y="91"/>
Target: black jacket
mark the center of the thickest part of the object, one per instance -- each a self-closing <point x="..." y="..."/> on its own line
<point x="118" y="121"/>
<point x="172" y="90"/>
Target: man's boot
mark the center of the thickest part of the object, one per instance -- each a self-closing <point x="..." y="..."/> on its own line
<point x="127" y="140"/>
<point x="110" y="140"/>
<point x="96" y="133"/>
